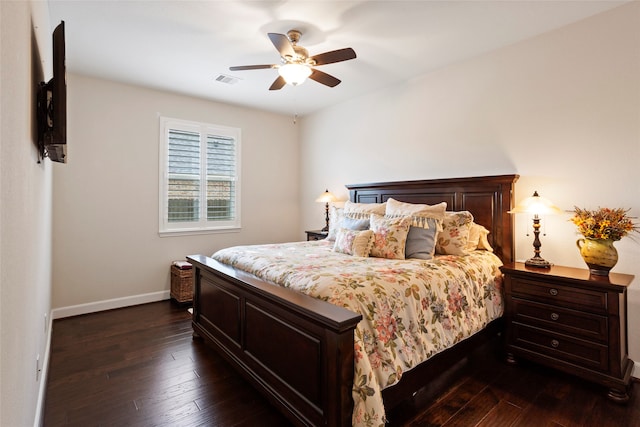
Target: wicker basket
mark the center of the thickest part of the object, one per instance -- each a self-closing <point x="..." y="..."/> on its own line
<point x="181" y="284"/>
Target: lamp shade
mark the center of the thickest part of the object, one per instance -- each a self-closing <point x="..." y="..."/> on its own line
<point x="294" y="74"/>
<point x="536" y="205"/>
<point x="326" y="197"/>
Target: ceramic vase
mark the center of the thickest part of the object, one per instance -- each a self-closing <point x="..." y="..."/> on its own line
<point x="599" y="254"/>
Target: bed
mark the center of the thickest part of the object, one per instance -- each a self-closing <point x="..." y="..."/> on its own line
<point x="299" y="350"/>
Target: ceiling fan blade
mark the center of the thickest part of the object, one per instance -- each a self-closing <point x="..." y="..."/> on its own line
<point x="324" y="78"/>
<point x="251" y="67"/>
<point x="278" y="83"/>
<point x="282" y="43"/>
<point x="334" y="56"/>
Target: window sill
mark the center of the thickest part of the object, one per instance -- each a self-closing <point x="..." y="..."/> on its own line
<point x="178" y="233"/>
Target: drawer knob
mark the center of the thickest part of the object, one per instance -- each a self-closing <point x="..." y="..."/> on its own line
<point x="553" y="291"/>
<point x="555" y="316"/>
<point x="555" y="343"/>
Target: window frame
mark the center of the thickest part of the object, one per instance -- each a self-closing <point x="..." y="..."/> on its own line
<point x="203" y="225"/>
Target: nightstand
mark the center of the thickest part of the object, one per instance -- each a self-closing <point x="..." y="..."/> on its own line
<point x="316" y="234"/>
<point x="570" y="320"/>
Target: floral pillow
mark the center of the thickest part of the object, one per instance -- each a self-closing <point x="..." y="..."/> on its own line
<point x="389" y="236"/>
<point x="353" y="242"/>
<point x="454" y="238"/>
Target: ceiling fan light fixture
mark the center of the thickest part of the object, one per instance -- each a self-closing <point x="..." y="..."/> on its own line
<point x="296" y="64"/>
<point x="294" y="73"/>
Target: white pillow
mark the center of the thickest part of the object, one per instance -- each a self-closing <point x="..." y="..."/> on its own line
<point x="418" y="212"/>
<point x="363" y="210"/>
<point x="335" y="222"/>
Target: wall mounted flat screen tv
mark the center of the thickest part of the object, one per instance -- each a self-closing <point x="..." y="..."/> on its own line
<point x="52" y="105"/>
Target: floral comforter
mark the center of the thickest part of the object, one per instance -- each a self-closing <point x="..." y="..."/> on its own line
<point x="412" y="309"/>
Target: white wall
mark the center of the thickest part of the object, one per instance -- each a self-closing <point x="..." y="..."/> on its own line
<point x="562" y="110"/>
<point x="25" y="211"/>
<point x="105" y="199"/>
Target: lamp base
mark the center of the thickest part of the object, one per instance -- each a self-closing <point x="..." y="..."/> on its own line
<point x="326" y="228"/>
<point x="537" y="262"/>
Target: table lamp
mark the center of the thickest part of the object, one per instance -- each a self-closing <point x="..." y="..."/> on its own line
<point x="326" y="198"/>
<point x="536" y="205"/>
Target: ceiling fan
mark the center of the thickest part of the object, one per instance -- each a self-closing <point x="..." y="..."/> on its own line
<point x="297" y="65"/>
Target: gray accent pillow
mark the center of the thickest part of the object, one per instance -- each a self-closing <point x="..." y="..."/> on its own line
<point x="421" y="242"/>
<point x="355" y="224"/>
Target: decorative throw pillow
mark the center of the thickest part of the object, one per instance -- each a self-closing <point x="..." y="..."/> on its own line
<point x="483" y="242"/>
<point x="474" y="237"/>
<point x="426" y="222"/>
<point x="421" y="242"/>
<point x="336" y="216"/>
<point x="363" y="210"/>
<point x="418" y="212"/>
<point x="478" y="238"/>
<point x="355" y="224"/>
<point x="454" y="238"/>
<point x="353" y="242"/>
<point x="390" y="236"/>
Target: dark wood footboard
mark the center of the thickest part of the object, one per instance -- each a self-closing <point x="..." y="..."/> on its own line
<point x="296" y="349"/>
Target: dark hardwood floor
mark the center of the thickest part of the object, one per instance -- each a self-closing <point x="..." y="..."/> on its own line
<point x="139" y="366"/>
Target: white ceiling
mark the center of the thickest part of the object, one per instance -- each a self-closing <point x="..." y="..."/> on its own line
<point x="182" y="46"/>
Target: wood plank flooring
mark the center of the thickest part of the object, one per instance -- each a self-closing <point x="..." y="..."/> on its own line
<point x="139" y="366"/>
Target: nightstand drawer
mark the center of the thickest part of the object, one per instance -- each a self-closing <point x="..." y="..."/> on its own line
<point x="563" y="296"/>
<point x="567" y="321"/>
<point x="583" y="353"/>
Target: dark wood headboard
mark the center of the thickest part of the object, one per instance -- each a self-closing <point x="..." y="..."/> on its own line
<point x="488" y="198"/>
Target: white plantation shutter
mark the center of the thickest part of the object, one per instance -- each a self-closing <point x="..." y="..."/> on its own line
<point x="184" y="176"/>
<point x="199" y="189"/>
<point x="221" y="172"/>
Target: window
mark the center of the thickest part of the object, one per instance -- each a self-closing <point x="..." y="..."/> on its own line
<point x="199" y="177"/>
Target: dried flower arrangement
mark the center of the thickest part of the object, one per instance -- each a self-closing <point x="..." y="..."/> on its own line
<point x="604" y="223"/>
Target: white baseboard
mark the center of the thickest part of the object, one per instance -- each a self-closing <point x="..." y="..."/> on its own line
<point x="75" y="310"/>
<point x="92" y="307"/>
<point x="44" y="372"/>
